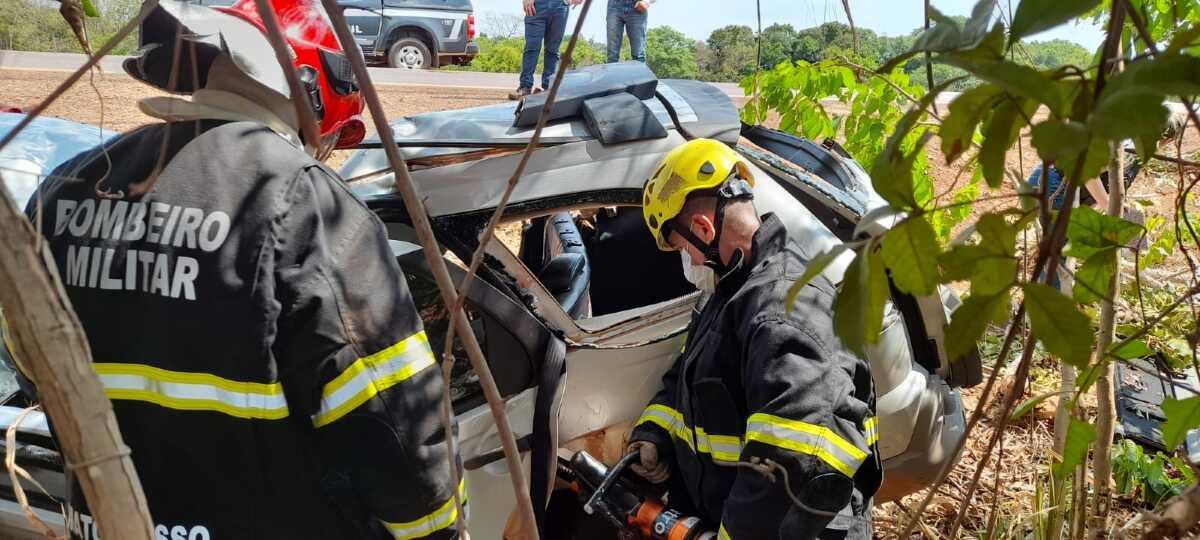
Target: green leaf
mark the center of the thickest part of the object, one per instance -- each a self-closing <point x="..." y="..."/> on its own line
<point x="858" y="308"/>
<point x="1034" y="16"/>
<point x="1090" y="231"/>
<point x="963" y="202"/>
<point x="1055" y="139"/>
<point x="1132" y="113"/>
<point x="1183" y="39"/>
<point x="910" y="251"/>
<point x="1185" y="470"/>
<point x="1182" y="415"/>
<point x="892" y="175"/>
<point x="1134" y="349"/>
<point x="970" y="321"/>
<point x="997" y="234"/>
<point x="1127" y="466"/>
<point x="815" y="267"/>
<point x="1087" y="378"/>
<point x="1057" y="322"/>
<point x="1097" y="159"/>
<point x="892" y="172"/>
<point x="1025" y="407"/>
<point x="990" y="272"/>
<point x="999" y="133"/>
<point x="1016" y="79"/>
<point x="1145" y="145"/>
<point x="992" y="265"/>
<point x="1093" y="276"/>
<point x="959" y="262"/>
<point x="1079" y="437"/>
<point x="89" y="9"/>
<point x="966" y="111"/>
<point x="946" y="34"/>
<point x="1164" y="75"/>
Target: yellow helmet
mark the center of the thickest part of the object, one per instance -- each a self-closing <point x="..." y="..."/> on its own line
<point x="697" y="165"/>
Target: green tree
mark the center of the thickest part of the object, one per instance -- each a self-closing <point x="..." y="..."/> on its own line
<point x="671" y="54"/>
<point x="503" y="54"/>
<point x="808" y="49"/>
<point x="779" y="44"/>
<point x="729" y="54"/>
<point x="1056" y="53"/>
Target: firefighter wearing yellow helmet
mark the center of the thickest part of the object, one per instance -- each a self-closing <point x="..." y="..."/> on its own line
<point x="755" y="379"/>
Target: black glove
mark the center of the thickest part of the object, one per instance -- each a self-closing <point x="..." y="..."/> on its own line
<point x="649" y="466"/>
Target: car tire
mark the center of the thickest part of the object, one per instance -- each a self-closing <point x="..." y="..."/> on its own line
<point x="411" y="53"/>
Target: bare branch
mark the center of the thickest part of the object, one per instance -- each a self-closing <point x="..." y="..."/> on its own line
<point x="52" y="347"/>
<point x="929" y="61"/>
<point x="489" y="232"/>
<point x="850" y="17"/>
<point x="304" y="112"/>
<point x="457" y="313"/>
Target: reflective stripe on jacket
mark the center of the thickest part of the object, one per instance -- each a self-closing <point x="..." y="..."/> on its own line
<point x="756" y="382"/>
<point x="259" y="343"/>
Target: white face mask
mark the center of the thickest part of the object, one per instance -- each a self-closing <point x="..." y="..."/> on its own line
<point x="703" y="277"/>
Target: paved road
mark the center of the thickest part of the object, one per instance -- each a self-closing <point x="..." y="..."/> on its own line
<point x="461" y="79"/>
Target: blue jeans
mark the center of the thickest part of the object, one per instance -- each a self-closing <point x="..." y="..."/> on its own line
<point x="1056" y="180"/>
<point x="546" y="25"/>
<point x="622" y="18"/>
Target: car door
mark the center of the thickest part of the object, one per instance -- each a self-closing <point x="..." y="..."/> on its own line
<point x="365" y="18"/>
<point x="618" y="350"/>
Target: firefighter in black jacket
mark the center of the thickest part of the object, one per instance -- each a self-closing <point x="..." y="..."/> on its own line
<point x="246" y="316"/>
<point x="753" y="380"/>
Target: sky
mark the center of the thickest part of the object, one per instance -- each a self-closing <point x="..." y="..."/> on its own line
<point x="698" y="18"/>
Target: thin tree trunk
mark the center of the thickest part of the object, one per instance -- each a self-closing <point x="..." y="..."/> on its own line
<point x="53" y="348"/>
<point x="929" y="61"/>
<point x="853" y="29"/>
<point x="1106" y="409"/>
<point x="1062" y="420"/>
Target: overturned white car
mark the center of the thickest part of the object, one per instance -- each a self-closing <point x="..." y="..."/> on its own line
<point x="582" y="305"/>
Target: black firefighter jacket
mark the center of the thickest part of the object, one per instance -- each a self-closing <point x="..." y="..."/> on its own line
<point x="257" y="339"/>
<point x="754" y="381"/>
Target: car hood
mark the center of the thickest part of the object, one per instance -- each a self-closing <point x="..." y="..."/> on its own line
<point x="42" y="146"/>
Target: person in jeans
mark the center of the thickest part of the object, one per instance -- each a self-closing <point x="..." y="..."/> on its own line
<point x="545" y="21"/>
<point x="627" y="16"/>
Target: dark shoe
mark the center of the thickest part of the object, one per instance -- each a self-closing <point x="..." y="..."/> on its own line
<point x="520" y="93"/>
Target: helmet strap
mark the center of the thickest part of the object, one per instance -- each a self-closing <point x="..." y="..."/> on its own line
<point x="712" y="250"/>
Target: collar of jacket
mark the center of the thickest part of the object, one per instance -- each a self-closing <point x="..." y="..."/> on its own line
<point x="206" y="104"/>
<point x="768" y="240"/>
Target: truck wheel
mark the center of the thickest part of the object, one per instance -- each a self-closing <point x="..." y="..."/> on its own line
<point x="410" y="53"/>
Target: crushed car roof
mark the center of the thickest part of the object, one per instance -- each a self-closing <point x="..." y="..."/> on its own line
<point x="702" y="109"/>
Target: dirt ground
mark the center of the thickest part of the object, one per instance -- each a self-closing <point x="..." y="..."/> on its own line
<point x="1007" y="487"/>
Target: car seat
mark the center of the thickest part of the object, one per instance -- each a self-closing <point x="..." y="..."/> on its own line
<point x="562" y="263"/>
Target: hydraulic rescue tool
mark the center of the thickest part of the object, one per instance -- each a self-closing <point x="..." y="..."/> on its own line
<point x="619" y="500"/>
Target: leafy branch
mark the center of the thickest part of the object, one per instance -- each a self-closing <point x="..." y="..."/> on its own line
<point x="1089" y="112"/>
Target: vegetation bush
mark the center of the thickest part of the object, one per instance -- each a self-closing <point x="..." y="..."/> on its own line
<point x="728" y="54"/>
<point x="35" y="25"/>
